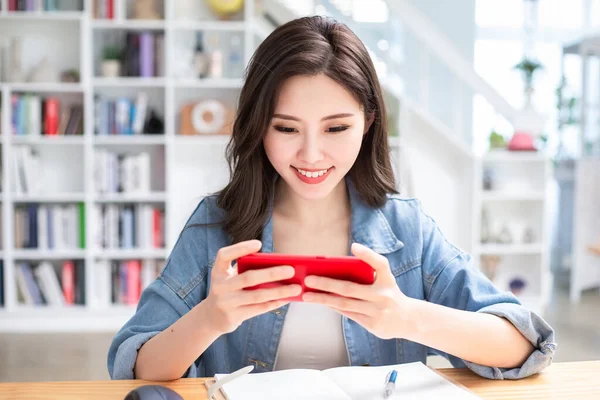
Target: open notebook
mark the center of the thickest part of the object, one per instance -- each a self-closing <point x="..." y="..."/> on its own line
<point x="415" y="382"/>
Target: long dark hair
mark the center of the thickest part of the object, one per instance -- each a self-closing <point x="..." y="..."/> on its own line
<point x="305" y="46"/>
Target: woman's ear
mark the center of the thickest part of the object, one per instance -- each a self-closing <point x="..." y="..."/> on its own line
<point x="368" y="122"/>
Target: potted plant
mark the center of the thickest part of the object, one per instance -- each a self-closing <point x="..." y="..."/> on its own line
<point x="496" y="140"/>
<point x="528" y="67"/>
<point x="111" y="62"/>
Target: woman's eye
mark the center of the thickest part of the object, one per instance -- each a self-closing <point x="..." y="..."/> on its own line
<point x="336" y="129"/>
<point x="284" y="129"/>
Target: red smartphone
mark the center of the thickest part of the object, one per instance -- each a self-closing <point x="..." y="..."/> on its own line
<point x="346" y="268"/>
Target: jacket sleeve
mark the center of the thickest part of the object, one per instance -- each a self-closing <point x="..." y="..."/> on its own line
<point x="163" y="302"/>
<point x="450" y="279"/>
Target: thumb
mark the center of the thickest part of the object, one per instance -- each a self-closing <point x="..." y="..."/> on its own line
<point x="379" y="263"/>
<point x="226" y="255"/>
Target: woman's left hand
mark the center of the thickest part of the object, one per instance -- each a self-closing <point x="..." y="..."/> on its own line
<point x="381" y="308"/>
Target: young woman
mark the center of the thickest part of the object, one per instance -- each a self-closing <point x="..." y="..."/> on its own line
<point x="311" y="174"/>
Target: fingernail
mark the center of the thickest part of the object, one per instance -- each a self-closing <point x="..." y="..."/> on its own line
<point x="289" y="271"/>
<point x="357" y="246"/>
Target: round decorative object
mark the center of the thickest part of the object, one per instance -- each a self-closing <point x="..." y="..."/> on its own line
<point x="225" y="8"/>
<point x="209" y="117"/>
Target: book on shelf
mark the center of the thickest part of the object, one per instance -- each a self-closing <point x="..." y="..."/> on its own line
<point x="121" y="115"/>
<point x="32" y="114"/>
<point x="46" y="284"/>
<point x="50" y="227"/>
<point x="25" y="170"/>
<point x="143" y="54"/>
<point x="122" y="282"/>
<point x="128" y="226"/>
<point x="121" y="173"/>
<point x="109" y="9"/>
<point x="44" y="5"/>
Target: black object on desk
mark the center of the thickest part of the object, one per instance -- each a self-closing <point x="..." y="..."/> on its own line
<point x="153" y="392"/>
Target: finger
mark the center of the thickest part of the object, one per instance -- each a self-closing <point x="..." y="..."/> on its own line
<point x="226" y="255"/>
<point x="257" y="296"/>
<point x="343" y="288"/>
<point x="375" y="260"/>
<point x="257" y="309"/>
<point x="340" y="303"/>
<point x="258" y="276"/>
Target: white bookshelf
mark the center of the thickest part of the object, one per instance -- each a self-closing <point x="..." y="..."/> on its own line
<point x="517" y="200"/>
<point x="191" y="166"/>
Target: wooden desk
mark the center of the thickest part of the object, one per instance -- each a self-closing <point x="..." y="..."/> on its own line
<point x="578" y="380"/>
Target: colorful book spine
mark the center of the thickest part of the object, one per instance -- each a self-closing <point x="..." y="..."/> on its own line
<point x="146" y="55"/>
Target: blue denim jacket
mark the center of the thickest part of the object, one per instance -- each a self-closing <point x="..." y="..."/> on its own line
<point x="425" y="264"/>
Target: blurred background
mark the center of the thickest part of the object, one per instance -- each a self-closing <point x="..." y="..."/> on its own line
<point x="114" y="116"/>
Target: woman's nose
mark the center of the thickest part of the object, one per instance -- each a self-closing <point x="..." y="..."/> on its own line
<point x="311" y="151"/>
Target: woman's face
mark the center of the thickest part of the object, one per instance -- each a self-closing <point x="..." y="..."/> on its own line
<point x="315" y="134"/>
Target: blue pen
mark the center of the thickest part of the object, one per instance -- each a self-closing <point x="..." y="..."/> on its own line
<point x="390" y="383"/>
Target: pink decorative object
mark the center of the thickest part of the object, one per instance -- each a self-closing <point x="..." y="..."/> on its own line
<point x="521" y="141"/>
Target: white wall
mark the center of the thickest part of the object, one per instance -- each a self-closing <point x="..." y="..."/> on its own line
<point x="442" y="177"/>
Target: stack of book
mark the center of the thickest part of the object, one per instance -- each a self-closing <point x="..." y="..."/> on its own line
<point x="122" y="282"/>
<point x="121" y="173"/>
<point x="143" y="54"/>
<point x="128" y="226"/>
<point x="58" y="226"/>
<point x="43" y="284"/>
<point x="32" y="114"/>
<point x="120" y="116"/>
<point x="34" y="5"/>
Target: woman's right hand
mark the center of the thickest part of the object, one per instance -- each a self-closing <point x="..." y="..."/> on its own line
<point x="228" y="304"/>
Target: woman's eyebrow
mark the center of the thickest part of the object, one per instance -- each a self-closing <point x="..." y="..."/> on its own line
<point x="333" y="116"/>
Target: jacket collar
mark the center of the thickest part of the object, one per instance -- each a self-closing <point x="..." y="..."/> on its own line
<point x="368" y="226"/>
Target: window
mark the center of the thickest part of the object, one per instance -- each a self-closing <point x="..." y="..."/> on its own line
<point x="499" y="13"/>
<point x="494" y="61"/>
<point x="560" y="14"/>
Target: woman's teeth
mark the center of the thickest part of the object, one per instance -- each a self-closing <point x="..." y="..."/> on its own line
<point x="313" y="174"/>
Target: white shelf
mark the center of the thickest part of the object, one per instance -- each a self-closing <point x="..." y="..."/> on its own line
<point x="129" y="139"/>
<point x="49" y="198"/>
<point x="129" y="24"/>
<point x="209" y="83"/>
<point x="514" y="156"/>
<point x="42" y="15"/>
<point x="35" y="254"/>
<point x="129" y="254"/>
<point x="58" y="87"/>
<point x="48" y="139"/>
<point x="505" y="249"/>
<point x="182" y="159"/>
<point x="231" y="26"/>
<point x="513" y="196"/>
<point x="155" y="197"/>
<point x="518" y="202"/>
<point x="129" y="82"/>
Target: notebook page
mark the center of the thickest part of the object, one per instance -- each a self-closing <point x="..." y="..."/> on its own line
<point x="414" y="382"/>
<point x="291" y="384"/>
